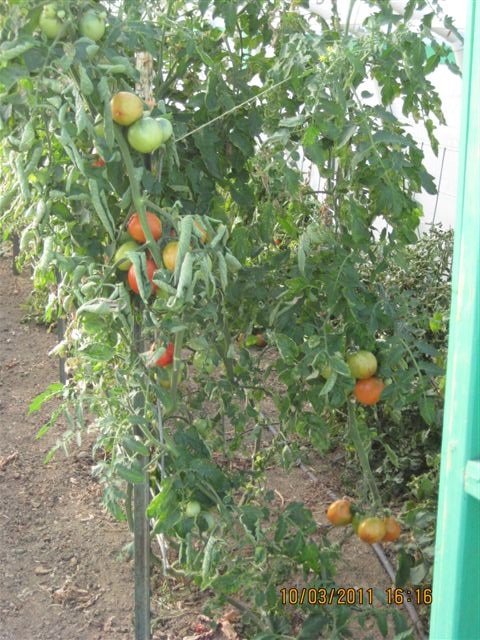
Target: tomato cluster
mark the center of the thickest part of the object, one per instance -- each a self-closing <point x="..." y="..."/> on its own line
<point x="363" y="366"/>
<point x="370" y="529"/>
<point x="145" y="134"/>
<point x="52" y="23"/>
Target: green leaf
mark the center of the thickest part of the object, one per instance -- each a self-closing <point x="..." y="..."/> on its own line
<point x="382" y="622"/>
<point x="403" y="571"/>
<point x="428" y="410"/>
<point x="313" y="626"/>
<point x="86" y="84"/>
<point x="310" y="135"/>
<point x="418" y="573"/>
<point x="208" y="143"/>
<point x="104" y="215"/>
<point x="139" y="261"/>
<point x="329" y="384"/>
<point x="392" y="456"/>
<point x="287" y="348"/>
<point x="388" y="137"/>
<point x="165" y="495"/>
<point x="345" y="136"/>
<point x="97" y="352"/>
<point x="51" y="391"/>
<point x="403" y="631"/>
<point x="133" y="474"/>
<point x="135" y="445"/>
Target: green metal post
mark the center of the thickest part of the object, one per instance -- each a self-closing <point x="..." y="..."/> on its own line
<point x="455" y="611"/>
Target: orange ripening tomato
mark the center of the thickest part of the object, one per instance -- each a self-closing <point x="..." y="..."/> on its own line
<point x="339" y="514"/>
<point x="368" y="391"/>
<point x="393" y="529"/>
<point x="371" y="530"/>
<point x="132" y="278"/>
<point x="134" y="227"/>
<point x="169" y="255"/>
<point x="167" y="356"/>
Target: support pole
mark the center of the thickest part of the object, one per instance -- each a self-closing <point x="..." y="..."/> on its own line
<point x="15" y="253"/>
<point x="141" y="531"/>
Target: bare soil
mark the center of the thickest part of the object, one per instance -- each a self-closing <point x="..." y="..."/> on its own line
<point x="63" y="573"/>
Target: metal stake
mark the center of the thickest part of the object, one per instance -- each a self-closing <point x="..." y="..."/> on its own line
<point x="141" y="532"/>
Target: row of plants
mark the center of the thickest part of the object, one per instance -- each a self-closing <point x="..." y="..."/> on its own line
<point x="164" y="226"/>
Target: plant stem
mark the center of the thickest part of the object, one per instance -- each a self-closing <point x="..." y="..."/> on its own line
<point x="177" y="359"/>
<point x="362" y="454"/>
<point x="136" y="195"/>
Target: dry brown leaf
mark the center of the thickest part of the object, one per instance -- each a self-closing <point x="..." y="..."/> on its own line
<point x="225" y="632"/>
<point x="71" y="595"/>
<point x="41" y="570"/>
<point x="6" y="461"/>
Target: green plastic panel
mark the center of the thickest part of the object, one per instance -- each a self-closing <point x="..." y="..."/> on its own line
<point x="455" y="613"/>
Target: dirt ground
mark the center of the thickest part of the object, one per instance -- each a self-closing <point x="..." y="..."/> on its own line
<point x="63" y="573"/>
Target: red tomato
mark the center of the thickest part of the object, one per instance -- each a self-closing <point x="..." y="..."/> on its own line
<point x="98" y="163"/>
<point x="167" y="356"/>
<point x="368" y="391"/>
<point x="134" y="227"/>
<point x="132" y="278"/>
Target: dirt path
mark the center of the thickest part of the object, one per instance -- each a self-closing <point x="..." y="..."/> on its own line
<point x="61" y="577"/>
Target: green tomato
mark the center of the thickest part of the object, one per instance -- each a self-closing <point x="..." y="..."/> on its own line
<point x="99" y="128"/>
<point x="192" y="509"/>
<point x="92" y="26"/>
<point x="51" y="27"/>
<point x="49" y="11"/>
<point x="120" y="259"/>
<point x="362" y="364"/>
<point x="166" y="127"/>
<point x="326" y="371"/>
<point x="147" y="134"/>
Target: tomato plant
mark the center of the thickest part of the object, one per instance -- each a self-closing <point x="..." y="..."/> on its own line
<point x="226" y="183"/>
